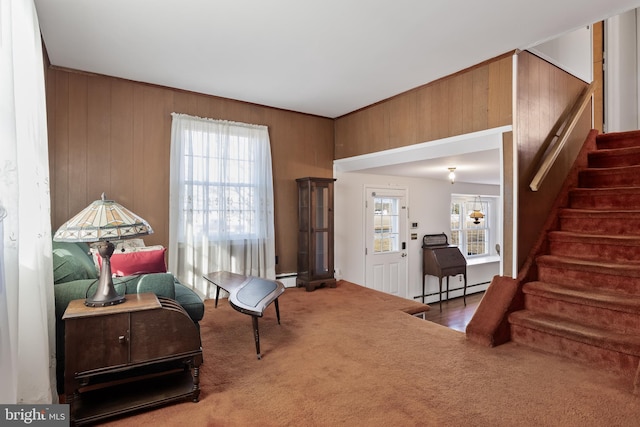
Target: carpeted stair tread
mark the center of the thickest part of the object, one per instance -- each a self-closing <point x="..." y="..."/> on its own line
<point x="612" y="157"/>
<point x="569" y="237"/>
<point x="616" y="269"/>
<point x="598" y="213"/>
<point x="607" y="222"/>
<point x="595" y="246"/>
<point x="617" y="151"/>
<point x="600" y="298"/>
<point x="608" y="198"/>
<point x="608" y="190"/>
<point x="610" y="177"/>
<point x="618" y="139"/>
<point x="556" y="326"/>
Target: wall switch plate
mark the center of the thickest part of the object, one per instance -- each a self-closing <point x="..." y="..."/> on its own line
<point x="414" y="225"/>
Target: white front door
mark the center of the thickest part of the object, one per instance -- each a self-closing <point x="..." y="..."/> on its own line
<point x="386" y="240"/>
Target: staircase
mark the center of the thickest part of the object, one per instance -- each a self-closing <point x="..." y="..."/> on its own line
<point x="585" y="303"/>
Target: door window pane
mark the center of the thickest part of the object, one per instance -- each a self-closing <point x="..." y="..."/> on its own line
<point x="386" y="222"/>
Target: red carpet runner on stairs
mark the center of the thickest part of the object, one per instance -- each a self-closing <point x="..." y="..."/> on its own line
<point x="586" y="302"/>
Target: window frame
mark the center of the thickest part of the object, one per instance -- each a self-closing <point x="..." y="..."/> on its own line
<point x="460" y="235"/>
<point x="228" y="151"/>
<point x="389" y="232"/>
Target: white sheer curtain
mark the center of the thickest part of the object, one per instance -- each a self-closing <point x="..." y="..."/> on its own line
<point x="221" y="200"/>
<point x="27" y="326"/>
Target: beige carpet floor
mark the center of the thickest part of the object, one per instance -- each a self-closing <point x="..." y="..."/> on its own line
<point x="349" y="356"/>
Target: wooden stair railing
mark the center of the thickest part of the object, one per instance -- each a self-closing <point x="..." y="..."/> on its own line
<point x="572" y="120"/>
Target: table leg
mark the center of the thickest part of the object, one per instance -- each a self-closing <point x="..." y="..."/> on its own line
<point x="277" y="310"/>
<point x="217" y="295"/>
<point x="256" y="335"/>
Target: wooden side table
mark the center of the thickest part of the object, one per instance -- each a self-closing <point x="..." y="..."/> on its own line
<point x="139" y="354"/>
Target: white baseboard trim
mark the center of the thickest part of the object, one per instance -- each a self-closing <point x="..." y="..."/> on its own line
<point x="287" y="279"/>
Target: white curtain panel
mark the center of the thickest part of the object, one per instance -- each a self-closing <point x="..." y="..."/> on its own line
<point x="27" y="324"/>
<point x="221" y="200"/>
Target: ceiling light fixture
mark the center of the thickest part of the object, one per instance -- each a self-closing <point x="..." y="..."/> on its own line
<point x="452" y="175"/>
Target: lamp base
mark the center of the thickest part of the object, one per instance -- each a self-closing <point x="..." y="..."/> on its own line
<point x="118" y="299"/>
<point x="106" y="294"/>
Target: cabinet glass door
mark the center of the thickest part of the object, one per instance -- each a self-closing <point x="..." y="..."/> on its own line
<point x="322" y="255"/>
<point x="321" y="230"/>
<point x="303" y="231"/>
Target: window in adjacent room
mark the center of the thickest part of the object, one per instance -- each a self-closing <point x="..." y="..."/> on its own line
<point x="472" y="239"/>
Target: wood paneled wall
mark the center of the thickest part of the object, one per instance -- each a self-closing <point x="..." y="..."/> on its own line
<point x="598" y="75"/>
<point x="475" y="99"/>
<point x="112" y="135"/>
<point x="507" y="204"/>
<point x="544" y="95"/>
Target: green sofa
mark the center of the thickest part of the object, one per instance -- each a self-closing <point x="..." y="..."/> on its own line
<point x="76" y="277"/>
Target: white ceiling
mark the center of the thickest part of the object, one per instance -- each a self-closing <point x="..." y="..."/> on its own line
<point x="480" y="167"/>
<point x="326" y="58"/>
<point x="476" y="157"/>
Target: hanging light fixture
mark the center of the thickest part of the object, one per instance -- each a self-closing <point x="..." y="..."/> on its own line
<point x="452" y="175"/>
<point x="477" y="214"/>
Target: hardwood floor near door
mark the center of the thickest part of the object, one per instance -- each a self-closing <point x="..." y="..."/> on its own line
<point x="454" y="314"/>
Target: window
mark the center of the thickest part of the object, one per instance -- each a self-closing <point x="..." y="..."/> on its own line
<point x="386" y="224"/>
<point x="221" y="185"/>
<point x="472" y="239"/>
<point x="221" y="199"/>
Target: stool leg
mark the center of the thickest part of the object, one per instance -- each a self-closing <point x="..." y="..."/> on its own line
<point x="277" y="310"/>
<point x="217" y="295"/>
<point x="440" y="294"/>
<point x="256" y="335"/>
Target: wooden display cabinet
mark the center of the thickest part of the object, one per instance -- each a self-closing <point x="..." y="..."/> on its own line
<point x="315" y="233"/>
<point x="139" y="354"/>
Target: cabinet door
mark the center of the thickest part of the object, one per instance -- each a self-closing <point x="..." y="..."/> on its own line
<point x="163" y="332"/>
<point x="322" y="229"/>
<point x="304" y="227"/>
<point x="104" y="341"/>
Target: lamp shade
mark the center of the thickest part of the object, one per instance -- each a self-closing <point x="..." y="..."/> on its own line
<point x="102" y="220"/>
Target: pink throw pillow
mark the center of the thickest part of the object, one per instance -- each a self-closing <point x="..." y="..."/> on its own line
<point x="142" y="262"/>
